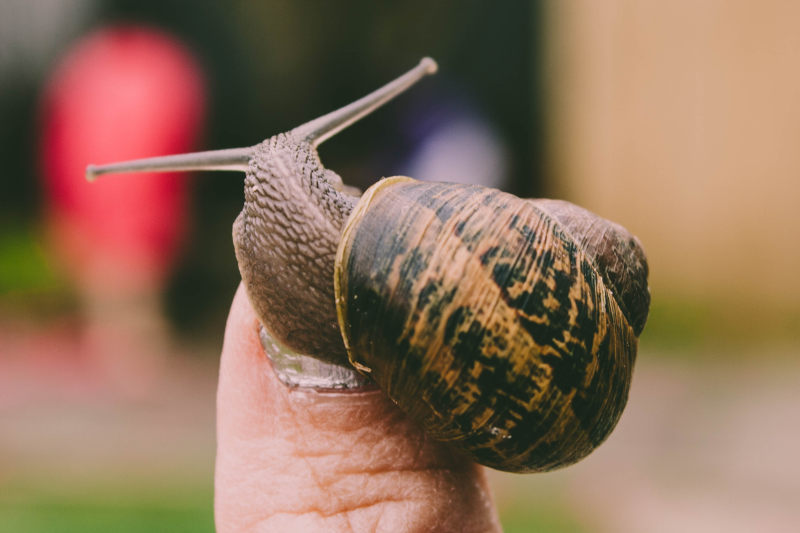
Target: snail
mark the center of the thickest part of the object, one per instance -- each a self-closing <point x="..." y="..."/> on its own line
<point x="506" y="327"/>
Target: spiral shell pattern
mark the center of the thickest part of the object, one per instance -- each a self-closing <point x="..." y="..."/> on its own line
<point x="482" y="318"/>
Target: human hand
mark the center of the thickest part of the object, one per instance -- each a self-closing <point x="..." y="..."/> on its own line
<point x="294" y="459"/>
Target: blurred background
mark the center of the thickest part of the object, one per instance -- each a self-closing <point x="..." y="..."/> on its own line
<point x="680" y="120"/>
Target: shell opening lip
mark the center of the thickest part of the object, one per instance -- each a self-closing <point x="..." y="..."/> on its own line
<point x="340" y="264"/>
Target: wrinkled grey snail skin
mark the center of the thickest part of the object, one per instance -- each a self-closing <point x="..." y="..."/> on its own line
<point x="504" y="326"/>
<point x="286" y="238"/>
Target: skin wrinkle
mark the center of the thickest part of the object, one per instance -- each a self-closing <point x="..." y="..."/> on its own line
<point x="298" y="460"/>
<point x="340" y="504"/>
<point x="325" y="468"/>
<point x="328" y="514"/>
<point x="324" y="478"/>
<point x="351" y="527"/>
<point x="342" y="509"/>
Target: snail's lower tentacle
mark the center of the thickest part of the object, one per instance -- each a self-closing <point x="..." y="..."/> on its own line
<point x="297" y="370"/>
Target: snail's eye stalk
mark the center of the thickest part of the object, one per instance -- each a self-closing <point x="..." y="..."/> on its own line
<point x="326" y="126"/>
<point x="313" y="132"/>
<point x="237" y="159"/>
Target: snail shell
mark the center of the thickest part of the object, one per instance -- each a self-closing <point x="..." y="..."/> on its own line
<point x="485" y="319"/>
<point x="506" y="327"/>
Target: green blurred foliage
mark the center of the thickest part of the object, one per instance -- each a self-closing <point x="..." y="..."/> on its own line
<point x="23" y="263"/>
<point x="520" y="520"/>
<point x="109" y="509"/>
<point x="694" y="326"/>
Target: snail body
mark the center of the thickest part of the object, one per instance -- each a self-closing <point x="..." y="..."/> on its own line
<point x="285" y="240"/>
<point x="506" y="327"/>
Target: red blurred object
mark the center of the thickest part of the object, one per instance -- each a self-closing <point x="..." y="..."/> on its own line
<point x="121" y="93"/>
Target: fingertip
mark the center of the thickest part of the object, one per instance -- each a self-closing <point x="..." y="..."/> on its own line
<point x="350" y="456"/>
<point x="241" y="318"/>
<point x="241" y="347"/>
<point x="242" y="390"/>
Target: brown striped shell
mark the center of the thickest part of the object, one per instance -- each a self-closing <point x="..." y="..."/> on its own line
<point x="507" y="327"/>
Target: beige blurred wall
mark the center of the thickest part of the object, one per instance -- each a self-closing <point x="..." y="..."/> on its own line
<point x="681" y="120"/>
